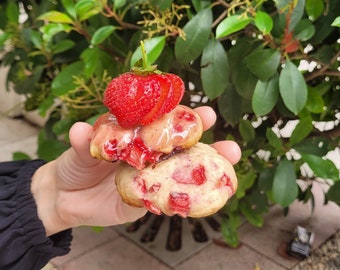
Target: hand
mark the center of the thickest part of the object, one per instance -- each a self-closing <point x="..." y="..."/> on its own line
<point x="77" y="189"/>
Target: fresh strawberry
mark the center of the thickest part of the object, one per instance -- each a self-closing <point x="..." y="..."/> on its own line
<point x="140" y="98"/>
<point x="142" y="95"/>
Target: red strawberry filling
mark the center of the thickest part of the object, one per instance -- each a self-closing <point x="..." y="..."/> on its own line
<point x="179" y="203"/>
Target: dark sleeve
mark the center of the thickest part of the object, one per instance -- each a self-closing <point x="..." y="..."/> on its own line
<point x="23" y="244"/>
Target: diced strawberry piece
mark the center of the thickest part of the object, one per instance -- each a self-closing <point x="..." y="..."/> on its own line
<point x="179" y="203"/>
<point x="155" y="187"/>
<point x="140" y="155"/>
<point x="110" y="148"/>
<point x="141" y="184"/>
<point x="198" y="175"/>
<point x="151" y="207"/>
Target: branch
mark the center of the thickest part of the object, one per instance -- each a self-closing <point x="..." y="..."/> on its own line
<point x="324" y="70"/>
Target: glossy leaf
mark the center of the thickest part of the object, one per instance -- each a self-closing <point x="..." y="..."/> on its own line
<point x="69" y="6"/>
<point x="12" y="12"/>
<point x="50" y="30"/>
<point x="231" y="25"/>
<point x="265" y="180"/>
<point x="63" y="82"/>
<point x="246" y="130"/>
<point x="245" y="182"/>
<point x="323" y="168"/>
<point x="336" y="22"/>
<point x="153" y="48"/>
<point x="301" y="131"/>
<point x="314" y="146"/>
<point x="229" y="105"/>
<point x="63" y="46"/>
<point x="254" y="218"/>
<point x="56" y="17"/>
<point x="315" y="102"/>
<point x="197" y="32"/>
<point x="263" y="62"/>
<point x="293" y="88"/>
<point x="87" y="8"/>
<point x="263" y="22"/>
<point x="285" y="188"/>
<point x="101" y="34"/>
<point x="119" y="3"/>
<point x="265" y="96"/>
<point x="273" y="139"/>
<point x="304" y="30"/>
<point x="229" y="229"/>
<point x="314" y="8"/>
<point x="214" y="69"/>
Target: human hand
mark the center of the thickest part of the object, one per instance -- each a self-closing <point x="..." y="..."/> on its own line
<point x="77" y="189"/>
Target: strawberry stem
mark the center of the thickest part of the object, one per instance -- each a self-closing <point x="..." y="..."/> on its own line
<point x="145" y="59"/>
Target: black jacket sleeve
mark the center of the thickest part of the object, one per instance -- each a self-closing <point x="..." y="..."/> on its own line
<point x="23" y="244"/>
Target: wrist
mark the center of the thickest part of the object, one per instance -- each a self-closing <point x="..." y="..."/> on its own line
<point x="44" y="191"/>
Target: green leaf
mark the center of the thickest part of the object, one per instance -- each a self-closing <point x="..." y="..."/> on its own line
<point x="315" y="103"/>
<point x="63" y="46"/>
<point x="4" y="37"/>
<point x="254" y="218"/>
<point x="101" y="34"/>
<point x="12" y="12"/>
<point x="229" y="229"/>
<point x="51" y="29"/>
<point x="304" y="30"/>
<point x="64" y="81"/>
<point x="333" y="193"/>
<point x="200" y="4"/>
<point x="20" y="156"/>
<point x="51" y="149"/>
<point x="197" y="32"/>
<point x="229" y="105"/>
<point x="69" y="6"/>
<point x="87" y="8"/>
<point x="315" y="146"/>
<point x="265" y="180"/>
<point x="263" y="62"/>
<point x="301" y="131"/>
<point x="263" y="22"/>
<point x="293" y="88"/>
<point x="265" y="96"/>
<point x="247" y="130"/>
<point x="273" y="139"/>
<point x="231" y="25"/>
<point x="336" y="22"/>
<point x="36" y="39"/>
<point x="246" y="181"/>
<point x="214" y="69"/>
<point x="285" y="188"/>
<point x="153" y="48"/>
<point x="314" y="8"/>
<point x="55" y="17"/>
<point x="323" y="168"/>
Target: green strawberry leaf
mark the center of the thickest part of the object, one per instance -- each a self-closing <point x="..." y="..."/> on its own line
<point x="101" y="34"/>
<point x="323" y="168"/>
<point x="231" y="25"/>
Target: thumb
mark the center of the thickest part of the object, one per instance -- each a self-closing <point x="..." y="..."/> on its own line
<point x="80" y="136"/>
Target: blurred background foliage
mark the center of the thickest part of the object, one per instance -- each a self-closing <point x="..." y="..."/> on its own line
<point x="270" y="70"/>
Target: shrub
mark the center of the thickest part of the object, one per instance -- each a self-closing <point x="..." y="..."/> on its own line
<point x="270" y="70"/>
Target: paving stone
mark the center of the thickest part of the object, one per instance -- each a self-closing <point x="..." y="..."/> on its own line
<point x="117" y="254"/>
<point x="86" y="239"/>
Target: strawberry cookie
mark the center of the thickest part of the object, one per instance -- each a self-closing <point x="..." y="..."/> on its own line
<point x="196" y="183"/>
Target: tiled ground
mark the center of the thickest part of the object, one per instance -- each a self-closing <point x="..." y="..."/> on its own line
<point x="111" y="250"/>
